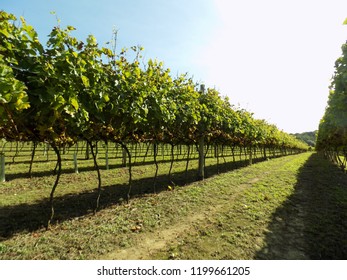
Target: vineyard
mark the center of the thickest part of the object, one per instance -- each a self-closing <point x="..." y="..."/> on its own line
<point x="71" y="91"/>
<point x="332" y="133"/>
<point x="148" y="176"/>
<point x="85" y="131"/>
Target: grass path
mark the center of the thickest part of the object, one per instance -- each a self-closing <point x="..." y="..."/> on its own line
<point x="227" y="222"/>
<point x="293" y="207"/>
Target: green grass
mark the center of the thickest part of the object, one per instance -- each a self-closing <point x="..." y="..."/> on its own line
<point x="277" y="209"/>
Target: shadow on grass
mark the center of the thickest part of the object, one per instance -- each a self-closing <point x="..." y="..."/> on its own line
<point x="39" y="174"/>
<point x="312" y="223"/>
<point x="30" y="217"/>
<point x="70" y="170"/>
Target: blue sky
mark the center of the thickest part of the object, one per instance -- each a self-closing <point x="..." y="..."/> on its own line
<point x="168" y="30"/>
<point x="272" y="57"/>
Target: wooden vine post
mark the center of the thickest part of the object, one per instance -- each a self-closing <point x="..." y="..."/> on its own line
<point x="2" y="168"/>
<point x="106" y="155"/>
<point x="201" y="168"/>
<point x="250" y="155"/>
<point x="187" y="163"/>
<point x="201" y="144"/>
<point x="75" y="162"/>
<point x="75" y="158"/>
<point x="155" y="153"/>
<point x="32" y="158"/>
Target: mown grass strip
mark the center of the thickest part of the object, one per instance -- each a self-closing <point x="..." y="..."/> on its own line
<point x="267" y="210"/>
<point x="296" y="211"/>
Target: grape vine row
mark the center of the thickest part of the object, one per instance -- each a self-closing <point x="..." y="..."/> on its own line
<point x="332" y="132"/>
<point x="69" y="91"/>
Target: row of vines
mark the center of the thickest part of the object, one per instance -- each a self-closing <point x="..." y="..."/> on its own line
<point x="68" y="91"/>
<point x="332" y="133"/>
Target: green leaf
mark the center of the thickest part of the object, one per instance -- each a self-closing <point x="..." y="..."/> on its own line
<point x="58" y="103"/>
<point x="85" y="81"/>
<point x="107" y="52"/>
<point x="106" y="98"/>
<point x="145" y="110"/>
<point x="91" y="40"/>
<point x="74" y="103"/>
<point x="345" y="22"/>
<point x="4" y="32"/>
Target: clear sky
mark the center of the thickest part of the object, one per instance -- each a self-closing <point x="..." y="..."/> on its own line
<point x="274" y="58"/>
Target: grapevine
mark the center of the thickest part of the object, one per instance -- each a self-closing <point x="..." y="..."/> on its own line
<point x="69" y="91"/>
